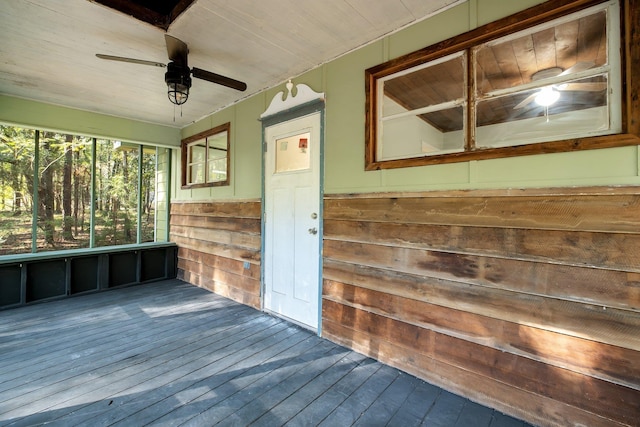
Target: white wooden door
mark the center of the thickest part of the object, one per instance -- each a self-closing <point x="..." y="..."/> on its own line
<point x="292" y="220"/>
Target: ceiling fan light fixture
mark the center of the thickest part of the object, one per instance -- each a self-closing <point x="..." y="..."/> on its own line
<point x="547" y="96"/>
<point x="178" y="93"/>
<point x="178" y="83"/>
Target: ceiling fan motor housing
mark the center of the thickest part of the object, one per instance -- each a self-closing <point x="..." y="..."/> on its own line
<point x="178" y="80"/>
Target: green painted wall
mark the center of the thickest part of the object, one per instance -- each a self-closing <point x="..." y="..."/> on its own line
<point x="37" y="115"/>
<point x="342" y="80"/>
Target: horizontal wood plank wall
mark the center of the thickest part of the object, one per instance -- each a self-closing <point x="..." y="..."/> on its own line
<point x="219" y="247"/>
<point x="528" y="301"/>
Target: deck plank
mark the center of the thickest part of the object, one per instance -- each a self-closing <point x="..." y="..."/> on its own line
<point x="77" y="333"/>
<point x="445" y="411"/>
<point x="126" y="406"/>
<point x="285" y="410"/>
<point x="277" y="394"/>
<point x="473" y="413"/>
<point x="387" y="404"/>
<point x="169" y="353"/>
<point x="106" y="351"/>
<point x="134" y="370"/>
<point x="358" y="402"/>
<point x="417" y="404"/>
<point x="294" y="363"/>
<point x="164" y="403"/>
<point x="215" y="405"/>
<point x="319" y="409"/>
<point x="193" y="386"/>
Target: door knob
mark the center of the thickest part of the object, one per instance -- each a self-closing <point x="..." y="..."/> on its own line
<point x="313" y="231"/>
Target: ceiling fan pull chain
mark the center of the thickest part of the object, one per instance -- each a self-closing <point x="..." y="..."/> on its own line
<point x="546" y="112"/>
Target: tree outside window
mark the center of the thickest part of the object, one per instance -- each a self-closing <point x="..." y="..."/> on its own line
<point x="59" y="200"/>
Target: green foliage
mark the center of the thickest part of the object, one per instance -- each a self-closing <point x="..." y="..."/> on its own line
<point x="16" y="166"/>
<point x="60" y="155"/>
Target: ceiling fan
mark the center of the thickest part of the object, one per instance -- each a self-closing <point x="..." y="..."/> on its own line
<point x="548" y="95"/>
<point x="178" y="75"/>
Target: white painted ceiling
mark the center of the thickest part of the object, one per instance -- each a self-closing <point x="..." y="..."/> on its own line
<point x="48" y="47"/>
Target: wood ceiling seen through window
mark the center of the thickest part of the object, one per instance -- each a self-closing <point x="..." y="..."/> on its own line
<point x="507" y="65"/>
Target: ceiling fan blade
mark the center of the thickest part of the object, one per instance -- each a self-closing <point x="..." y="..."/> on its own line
<point x="218" y="79"/>
<point x="584" y="87"/>
<point x="131" y="60"/>
<point x="176" y="49"/>
<point x="526" y="101"/>
<point x="577" y="67"/>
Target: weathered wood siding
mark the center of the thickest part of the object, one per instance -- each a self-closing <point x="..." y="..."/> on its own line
<point x="219" y="247"/>
<point x="528" y="301"/>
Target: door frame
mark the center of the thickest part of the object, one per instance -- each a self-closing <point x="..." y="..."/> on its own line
<point x="307" y="109"/>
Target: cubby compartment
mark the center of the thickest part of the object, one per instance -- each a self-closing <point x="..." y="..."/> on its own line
<point x="46" y="279"/>
<point x="153" y="265"/>
<point x="123" y="268"/>
<point x="84" y="274"/>
<point x="10" y="284"/>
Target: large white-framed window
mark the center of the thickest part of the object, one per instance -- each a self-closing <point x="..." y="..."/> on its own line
<point x="544" y="80"/>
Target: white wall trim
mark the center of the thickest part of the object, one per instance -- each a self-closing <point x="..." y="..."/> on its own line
<point x="282" y="102"/>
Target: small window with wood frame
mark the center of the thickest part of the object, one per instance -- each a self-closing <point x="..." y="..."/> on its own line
<point x="552" y="78"/>
<point x="205" y="158"/>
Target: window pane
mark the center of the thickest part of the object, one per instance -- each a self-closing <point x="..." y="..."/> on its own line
<point x="435" y="83"/>
<point x="162" y="193"/>
<point x="563" y="69"/>
<point x="76" y="193"/>
<point x="580" y="109"/>
<point x="197" y="155"/>
<point x="50" y="144"/>
<point x="217" y="168"/>
<point x="197" y="152"/>
<point x="195" y="174"/>
<point x="116" y="193"/>
<point x="561" y="48"/>
<point x="149" y="192"/>
<point x="16" y="185"/>
<point x="422" y="110"/>
<point x="64" y="186"/>
<point x="417" y="135"/>
<point x="217" y="157"/>
<point x="292" y="153"/>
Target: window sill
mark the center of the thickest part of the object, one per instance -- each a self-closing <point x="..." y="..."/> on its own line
<point x="577" y="144"/>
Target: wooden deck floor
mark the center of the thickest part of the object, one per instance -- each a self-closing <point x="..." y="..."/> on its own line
<point x="173" y="354"/>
